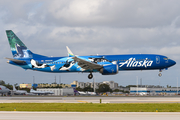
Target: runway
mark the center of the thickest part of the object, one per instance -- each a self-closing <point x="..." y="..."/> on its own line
<point x="88" y="116"/>
<point x="17" y="115"/>
<point x="27" y="99"/>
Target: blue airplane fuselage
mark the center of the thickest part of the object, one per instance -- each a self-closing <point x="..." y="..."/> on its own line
<point x="124" y="62"/>
<point x="105" y="64"/>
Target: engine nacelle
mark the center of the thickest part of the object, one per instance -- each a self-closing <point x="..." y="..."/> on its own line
<point x="109" y="69"/>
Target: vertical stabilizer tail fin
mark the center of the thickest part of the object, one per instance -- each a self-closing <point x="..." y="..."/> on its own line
<point x="70" y="54"/>
<point x="14" y="89"/>
<point x="31" y="90"/>
<point x="18" y="48"/>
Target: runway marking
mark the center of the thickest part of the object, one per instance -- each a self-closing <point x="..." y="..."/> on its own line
<point x="82" y="101"/>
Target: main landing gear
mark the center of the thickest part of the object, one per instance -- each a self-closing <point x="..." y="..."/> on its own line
<point x="90" y="76"/>
<point x="160" y="74"/>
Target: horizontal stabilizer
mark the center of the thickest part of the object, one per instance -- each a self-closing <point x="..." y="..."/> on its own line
<point x="16" y="61"/>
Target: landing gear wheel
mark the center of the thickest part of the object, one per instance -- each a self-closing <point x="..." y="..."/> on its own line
<point x="159" y="74"/>
<point x="90" y="76"/>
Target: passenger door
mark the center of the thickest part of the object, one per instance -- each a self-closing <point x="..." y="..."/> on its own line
<point x="157" y="59"/>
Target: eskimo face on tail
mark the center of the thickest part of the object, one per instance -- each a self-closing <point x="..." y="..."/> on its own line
<point x="21" y="51"/>
<point x="18" y="48"/>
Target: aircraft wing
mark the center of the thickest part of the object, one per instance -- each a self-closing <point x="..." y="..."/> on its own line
<point x="86" y="64"/>
<point x="16" y="61"/>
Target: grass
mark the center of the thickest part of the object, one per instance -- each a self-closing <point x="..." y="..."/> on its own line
<point x="91" y="107"/>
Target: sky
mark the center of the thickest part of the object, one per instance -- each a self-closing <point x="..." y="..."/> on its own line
<point x="90" y="27"/>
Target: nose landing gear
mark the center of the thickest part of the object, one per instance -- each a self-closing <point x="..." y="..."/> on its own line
<point x="160" y="74"/>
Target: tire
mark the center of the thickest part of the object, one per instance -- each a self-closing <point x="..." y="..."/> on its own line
<point x="159" y="74"/>
<point x="90" y="76"/>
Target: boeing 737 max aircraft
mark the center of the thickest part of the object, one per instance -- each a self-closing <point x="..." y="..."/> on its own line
<point x="104" y="64"/>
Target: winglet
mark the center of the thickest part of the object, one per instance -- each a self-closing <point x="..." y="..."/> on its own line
<point x="70" y="54"/>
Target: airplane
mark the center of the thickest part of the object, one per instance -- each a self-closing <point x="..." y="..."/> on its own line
<point x="40" y="92"/>
<point x="19" y="92"/>
<point x="48" y="92"/>
<point x="86" y="93"/>
<point x="37" y="92"/>
<point x="91" y="93"/>
<point x="83" y="93"/>
<point x="3" y="90"/>
<point x="104" y="64"/>
<point x="143" y="93"/>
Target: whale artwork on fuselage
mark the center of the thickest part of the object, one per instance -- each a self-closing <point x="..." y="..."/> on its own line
<point x="104" y="64"/>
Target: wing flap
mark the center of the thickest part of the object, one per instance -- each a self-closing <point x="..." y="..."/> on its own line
<point x="86" y="64"/>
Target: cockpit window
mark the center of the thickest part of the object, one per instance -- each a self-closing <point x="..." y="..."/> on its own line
<point x="166" y="58"/>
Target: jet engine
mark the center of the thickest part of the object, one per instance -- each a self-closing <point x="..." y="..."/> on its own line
<point x="109" y="69"/>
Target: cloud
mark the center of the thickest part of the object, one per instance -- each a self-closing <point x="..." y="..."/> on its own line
<point x="115" y="13"/>
<point x="90" y="28"/>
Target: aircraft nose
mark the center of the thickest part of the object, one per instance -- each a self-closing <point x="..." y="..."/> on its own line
<point x="172" y="62"/>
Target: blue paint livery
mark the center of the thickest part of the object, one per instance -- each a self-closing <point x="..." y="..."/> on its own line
<point x="105" y="64"/>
